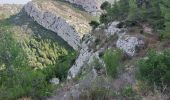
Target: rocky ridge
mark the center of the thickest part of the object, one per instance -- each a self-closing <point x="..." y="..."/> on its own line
<point x="129" y="44"/>
<point x="68" y="24"/>
<point x="71" y="32"/>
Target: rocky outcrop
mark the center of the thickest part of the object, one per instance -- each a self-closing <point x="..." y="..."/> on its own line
<point x="130" y="44"/>
<point x="82" y="59"/>
<point x="91" y="6"/>
<point x="112" y="30"/>
<point x="69" y="27"/>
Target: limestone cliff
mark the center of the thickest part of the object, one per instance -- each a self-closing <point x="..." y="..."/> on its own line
<point x="62" y="19"/>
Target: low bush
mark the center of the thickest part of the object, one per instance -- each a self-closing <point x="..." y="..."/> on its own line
<point x="156" y="69"/>
<point x="112" y="60"/>
<point x="94" y="24"/>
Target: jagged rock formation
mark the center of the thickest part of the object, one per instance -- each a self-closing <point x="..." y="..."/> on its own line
<point x="129" y="44"/>
<point x="91" y="6"/>
<point x="68" y="24"/>
<point x="82" y="59"/>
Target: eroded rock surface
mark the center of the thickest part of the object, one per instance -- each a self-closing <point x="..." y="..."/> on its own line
<point x="82" y="59"/>
<point x="130" y="44"/>
<point x="68" y="24"/>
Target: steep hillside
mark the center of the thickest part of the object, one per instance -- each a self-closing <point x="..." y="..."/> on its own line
<point x="45" y="55"/>
<point x="67" y="22"/>
<point x="56" y="50"/>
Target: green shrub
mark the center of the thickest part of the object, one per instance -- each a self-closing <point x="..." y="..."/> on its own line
<point x="165" y="9"/>
<point x="117" y="11"/>
<point x="112" y="60"/>
<point x="130" y="10"/>
<point x="106" y="5"/>
<point x="94" y="24"/>
<point x="156" y="69"/>
<point x="127" y="92"/>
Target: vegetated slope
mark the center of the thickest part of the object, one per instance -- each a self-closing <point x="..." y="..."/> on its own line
<point x="140" y="70"/>
<point x="35" y="54"/>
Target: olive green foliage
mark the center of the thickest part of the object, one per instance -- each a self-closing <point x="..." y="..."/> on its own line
<point x="106" y="5"/>
<point x="132" y="11"/>
<point x="165" y="8"/>
<point x="127" y="92"/>
<point x="156" y="69"/>
<point x="16" y="77"/>
<point x="112" y="60"/>
<point x="27" y="66"/>
<point x="42" y="53"/>
<point x="118" y="11"/>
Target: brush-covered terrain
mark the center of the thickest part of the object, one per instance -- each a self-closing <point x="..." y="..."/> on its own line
<point x="30" y="56"/>
<point x="124" y="51"/>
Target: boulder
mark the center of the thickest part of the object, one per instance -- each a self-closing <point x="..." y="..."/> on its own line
<point x="130" y="44"/>
<point x="55" y="81"/>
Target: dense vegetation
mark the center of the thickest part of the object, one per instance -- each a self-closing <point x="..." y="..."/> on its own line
<point x="156" y="69"/>
<point x="28" y="63"/>
<point x="112" y="60"/>
<point x="155" y="13"/>
<point x="136" y="12"/>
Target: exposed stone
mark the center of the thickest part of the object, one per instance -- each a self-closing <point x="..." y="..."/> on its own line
<point x="112" y="30"/>
<point x="91" y="6"/>
<point x="70" y="27"/>
<point x="79" y="63"/>
<point x="55" y="81"/>
<point x="129" y="44"/>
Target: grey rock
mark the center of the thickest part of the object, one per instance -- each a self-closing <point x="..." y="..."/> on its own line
<point x="55" y="81"/>
<point x="129" y="44"/>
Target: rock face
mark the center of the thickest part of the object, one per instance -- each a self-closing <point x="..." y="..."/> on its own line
<point x="82" y="59"/>
<point x="91" y="6"/>
<point x="69" y="27"/>
<point x="130" y="44"/>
